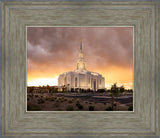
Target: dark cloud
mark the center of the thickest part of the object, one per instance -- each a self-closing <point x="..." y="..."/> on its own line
<point x="57" y="47"/>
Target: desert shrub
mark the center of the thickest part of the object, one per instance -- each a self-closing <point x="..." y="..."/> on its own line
<point x="69" y="108"/>
<point x="33" y="108"/>
<point x="76" y="89"/>
<point x="56" y="105"/>
<point x="79" y="106"/>
<point x="57" y="100"/>
<point x="91" y="108"/>
<point x="115" y="104"/>
<point x="70" y="101"/>
<point x="82" y="90"/>
<point x="52" y="99"/>
<point x="65" y="99"/>
<point x="59" y="110"/>
<point x="109" y="108"/>
<point x="40" y="101"/>
<point x="61" y="100"/>
<point x="88" y="90"/>
<point x="101" y="90"/>
<point x="47" y="98"/>
<point x="130" y="108"/>
<point x="78" y="100"/>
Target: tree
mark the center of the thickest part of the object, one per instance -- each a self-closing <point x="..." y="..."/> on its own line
<point x="121" y="89"/>
<point x="112" y="100"/>
<point x="30" y="89"/>
<point x="64" y="87"/>
<point x="47" y="86"/>
<point x="68" y="87"/>
<point x="115" y="93"/>
<point x="114" y="89"/>
<point x="72" y="89"/>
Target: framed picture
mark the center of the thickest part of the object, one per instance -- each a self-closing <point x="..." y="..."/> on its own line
<point x="63" y="64"/>
<point x="68" y="73"/>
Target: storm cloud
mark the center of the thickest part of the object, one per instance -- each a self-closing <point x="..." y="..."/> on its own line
<point x="54" y="50"/>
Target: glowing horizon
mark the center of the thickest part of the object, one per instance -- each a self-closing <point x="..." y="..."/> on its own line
<point x="54" y="50"/>
<point x="54" y="82"/>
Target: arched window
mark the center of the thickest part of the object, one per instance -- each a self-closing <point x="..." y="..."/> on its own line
<point x="76" y="82"/>
<point x="65" y="80"/>
<point x="83" y="66"/>
<point x="88" y="80"/>
<point x="91" y="83"/>
<point x="94" y="85"/>
<point x="77" y="65"/>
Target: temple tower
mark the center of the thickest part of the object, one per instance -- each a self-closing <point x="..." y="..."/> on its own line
<point x="81" y="62"/>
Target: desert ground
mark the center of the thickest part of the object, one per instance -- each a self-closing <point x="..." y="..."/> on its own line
<point x="87" y="101"/>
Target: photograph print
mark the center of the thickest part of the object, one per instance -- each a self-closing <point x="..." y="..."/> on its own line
<point x="80" y="68"/>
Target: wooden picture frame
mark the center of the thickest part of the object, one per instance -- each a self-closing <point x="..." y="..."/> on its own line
<point x="143" y="121"/>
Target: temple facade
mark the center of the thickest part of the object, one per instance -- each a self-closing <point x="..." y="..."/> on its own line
<point x="81" y="78"/>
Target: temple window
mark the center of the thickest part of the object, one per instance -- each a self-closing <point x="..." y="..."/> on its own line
<point x="76" y="82"/>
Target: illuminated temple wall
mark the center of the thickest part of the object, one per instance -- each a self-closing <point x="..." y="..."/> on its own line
<point x="83" y="80"/>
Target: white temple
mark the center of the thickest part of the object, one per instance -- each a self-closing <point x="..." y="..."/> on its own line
<point x="81" y="78"/>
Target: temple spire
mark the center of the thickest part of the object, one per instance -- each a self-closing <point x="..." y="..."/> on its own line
<point x="81" y="45"/>
<point x="81" y="62"/>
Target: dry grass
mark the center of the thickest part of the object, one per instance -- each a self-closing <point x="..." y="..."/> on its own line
<point x="61" y="103"/>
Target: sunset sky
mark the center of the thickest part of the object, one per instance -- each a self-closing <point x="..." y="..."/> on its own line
<point x="54" y="50"/>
